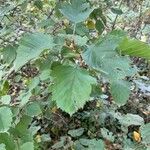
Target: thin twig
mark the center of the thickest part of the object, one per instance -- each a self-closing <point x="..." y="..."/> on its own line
<point x="114" y="23"/>
<point x="50" y="14"/>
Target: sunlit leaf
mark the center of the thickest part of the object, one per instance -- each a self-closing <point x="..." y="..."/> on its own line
<point x="133" y="47"/>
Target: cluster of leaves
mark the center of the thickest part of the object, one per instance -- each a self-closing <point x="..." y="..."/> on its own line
<point x="73" y="56"/>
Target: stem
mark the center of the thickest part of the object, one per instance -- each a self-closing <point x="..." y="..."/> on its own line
<point x="74" y="29"/>
<point x="9" y="73"/>
<point x="114" y="23"/>
<point x="17" y="144"/>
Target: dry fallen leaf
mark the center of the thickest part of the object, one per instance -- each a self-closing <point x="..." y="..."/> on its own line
<point x="136" y="136"/>
<point x="38" y="138"/>
<point x="90" y="24"/>
<point x="54" y="109"/>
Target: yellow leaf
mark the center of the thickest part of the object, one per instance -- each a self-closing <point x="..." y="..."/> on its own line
<point x="54" y="109"/>
<point x="90" y="24"/>
<point x="98" y="104"/>
<point x="66" y="22"/>
<point x="41" y="30"/>
<point x="144" y="38"/>
<point x="137" y="136"/>
<point x="32" y="8"/>
<point x="38" y="138"/>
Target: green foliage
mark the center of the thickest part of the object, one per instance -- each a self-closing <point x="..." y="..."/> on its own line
<point x="107" y="134"/>
<point x="5" y="99"/>
<point x="5" y="119"/>
<point x="116" y="11"/>
<point x="77" y="83"/>
<point x="9" y="54"/>
<point x="103" y="50"/>
<point x="52" y="57"/>
<point x="27" y="146"/>
<point x="90" y="144"/>
<point x="30" y="47"/>
<point x="33" y="109"/>
<point x="6" y="139"/>
<point x="2" y="147"/>
<point x="145" y="133"/>
<point x="134" y="47"/>
<point x="77" y="11"/>
<point x="131" y="119"/>
<point x="76" y="132"/>
<point x="116" y="90"/>
<point x="103" y="57"/>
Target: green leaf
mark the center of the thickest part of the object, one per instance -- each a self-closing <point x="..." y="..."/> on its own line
<point x="60" y="144"/>
<point x="92" y="144"/>
<point x="33" y="83"/>
<point x="5" y="119"/>
<point x="99" y="26"/>
<point x="117" y="67"/>
<point x="45" y="74"/>
<point x="130" y="145"/>
<point x="145" y="133"/>
<point x="131" y="119"/>
<point x="97" y="14"/>
<point x="81" y="29"/>
<point x="30" y="47"/>
<point x="134" y="47"/>
<point x="78" y="40"/>
<point x="9" y="54"/>
<point x="96" y="91"/>
<point x="117" y="11"/>
<point x="107" y="134"/>
<point x="34" y="129"/>
<point x="105" y="48"/>
<point x="21" y="129"/>
<point x="103" y="57"/>
<point x="148" y="148"/>
<point x="72" y="88"/>
<point x="39" y="4"/>
<point x="1" y="75"/>
<point x="120" y="91"/>
<point x="22" y="126"/>
<point x="4" y="88"/>
<point x="76" y="11"/>
<point x="6" y="139"/>
<point x="46" y="23"/>
<point x="76" y="132"/>
<point x="5" y="99"/>
<point x="24" y="97"/>
<point x="6" y="10"/>
<point x="33" y="109"/>
<point x="2" y="147"/>
<point x="27" y="146"/>
<point x="67" y="53"/>
<point x="45" y="138"/>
